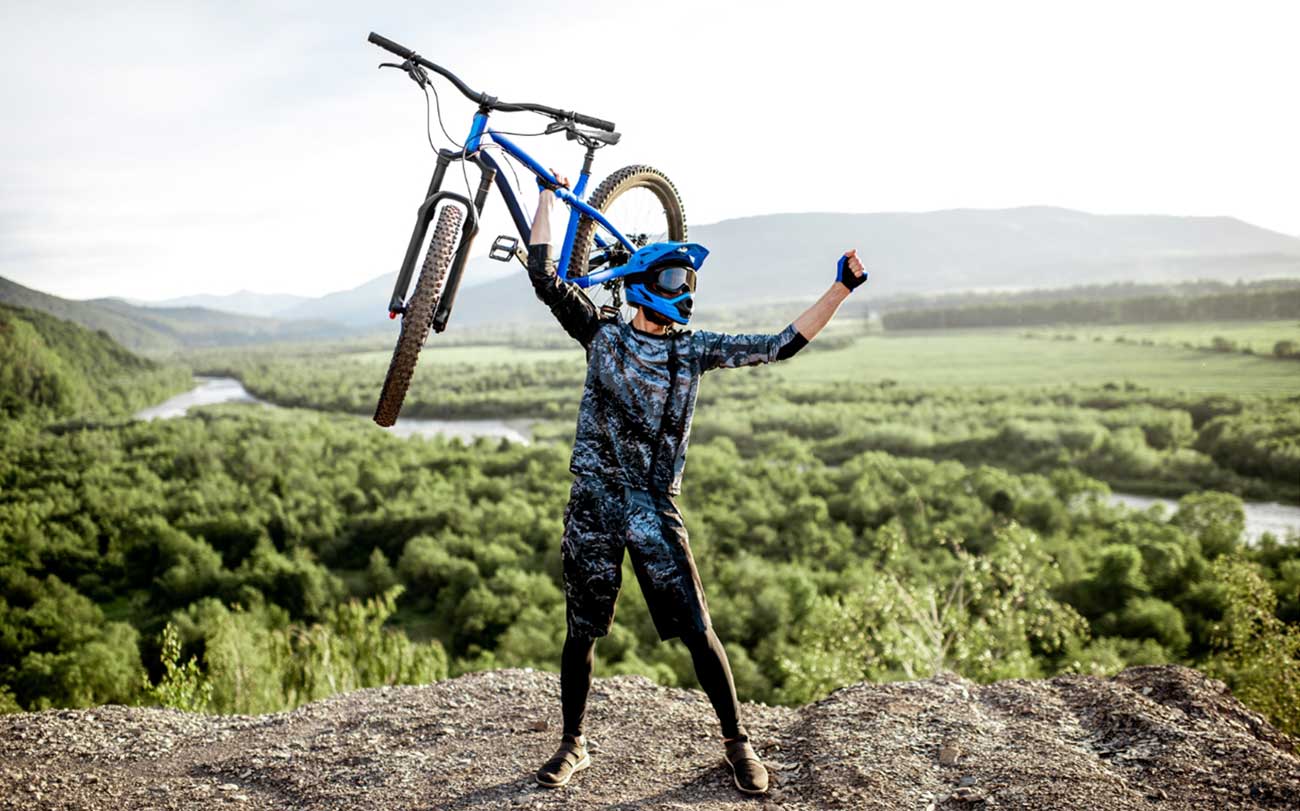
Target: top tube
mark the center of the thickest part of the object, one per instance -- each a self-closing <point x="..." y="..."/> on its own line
<point x="514" y="149"/>
<point x="570" y="199"/>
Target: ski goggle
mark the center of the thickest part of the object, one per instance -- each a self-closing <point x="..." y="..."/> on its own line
<point x="672" y="281"/>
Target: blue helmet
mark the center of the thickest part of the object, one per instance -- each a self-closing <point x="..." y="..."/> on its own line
<point x="661" y="278"/>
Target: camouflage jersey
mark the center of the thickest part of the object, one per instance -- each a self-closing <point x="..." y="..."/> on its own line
<point x="629" y="429"/>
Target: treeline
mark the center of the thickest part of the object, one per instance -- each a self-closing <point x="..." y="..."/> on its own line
<point x="266" y="539"/>
<point x="1249" y="304"/>
<point x="51" y="368"/>
<point x="1088" y="292"/>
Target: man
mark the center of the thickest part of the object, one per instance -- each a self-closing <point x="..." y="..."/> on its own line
<point x="628" y="456"/>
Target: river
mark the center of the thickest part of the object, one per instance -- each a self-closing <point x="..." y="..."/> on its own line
<point x="1261" y="517"/>
<point x="214" y="390"/>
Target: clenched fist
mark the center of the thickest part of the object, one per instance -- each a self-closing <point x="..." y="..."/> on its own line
<point x="849" y="272"/>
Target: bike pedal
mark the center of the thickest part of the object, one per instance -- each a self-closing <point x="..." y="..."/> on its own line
<point x="504" y="248"/>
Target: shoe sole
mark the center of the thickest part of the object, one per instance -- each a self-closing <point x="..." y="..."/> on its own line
<point x="735" y="778"/>
<point x="577" y="767"/>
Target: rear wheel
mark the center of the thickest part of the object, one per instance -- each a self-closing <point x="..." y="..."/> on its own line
<point x="418" y="317"/>
<point x="643" y="203"/>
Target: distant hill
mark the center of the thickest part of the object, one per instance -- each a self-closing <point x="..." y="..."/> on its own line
<point x="789" y="258"/>
<point x="365" y="307"/>
<point x="771" y="264"/>
<point x="53" y="368"/>
<point x="160" y="329"/>
<point x="121" y="327"/>
<point x="245" y="302"/>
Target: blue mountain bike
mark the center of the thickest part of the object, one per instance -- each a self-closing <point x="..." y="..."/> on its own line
<point x="641" y="199"/>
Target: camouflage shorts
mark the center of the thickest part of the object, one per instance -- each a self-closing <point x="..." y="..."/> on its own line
<point x="602" y="519"/>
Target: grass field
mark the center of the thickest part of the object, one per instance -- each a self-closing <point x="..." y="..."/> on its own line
<point x="1260" y="336"/>
<point x="996" y="357"/>
<point x="1000" y="357"/>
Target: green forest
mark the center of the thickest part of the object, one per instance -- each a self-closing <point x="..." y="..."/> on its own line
<point x="248" y="560"/>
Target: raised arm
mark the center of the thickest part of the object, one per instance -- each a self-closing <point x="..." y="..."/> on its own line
<point x="568" y="303"/>
<point x="728" y="351"/>
<point x="849" y="273"/>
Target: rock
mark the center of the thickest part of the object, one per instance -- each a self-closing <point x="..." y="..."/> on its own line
<point x="968" y="780"/>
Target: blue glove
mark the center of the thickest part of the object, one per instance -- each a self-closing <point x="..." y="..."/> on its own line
<point x="847" y="277"/>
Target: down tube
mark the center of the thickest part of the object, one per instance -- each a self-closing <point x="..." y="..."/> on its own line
<point x="522" y="225"/>
<point x="580" y="208"/>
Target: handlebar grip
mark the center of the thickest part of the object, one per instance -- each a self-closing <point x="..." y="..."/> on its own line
<point x="598" y="123"/>
<point x="390" y="46"/>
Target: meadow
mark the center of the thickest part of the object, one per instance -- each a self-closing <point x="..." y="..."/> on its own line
<point x="1258" y="337"/>
<point x="1005" y="357"/>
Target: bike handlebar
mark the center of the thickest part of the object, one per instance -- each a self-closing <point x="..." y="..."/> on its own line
<point x="483" y="99"/>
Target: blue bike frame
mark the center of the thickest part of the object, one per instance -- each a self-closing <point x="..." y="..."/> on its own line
<point x="573" y="199"/>
<point x="490" y="173"/>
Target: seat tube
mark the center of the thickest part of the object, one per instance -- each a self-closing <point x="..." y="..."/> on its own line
<point x="579" y="191"/>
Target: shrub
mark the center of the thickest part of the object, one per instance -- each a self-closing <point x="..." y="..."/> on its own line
<point x="1259" y="654"/>
<point x="182" y="686"/>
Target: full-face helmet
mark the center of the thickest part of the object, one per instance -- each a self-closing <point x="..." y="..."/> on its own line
<point x="661" y="278"/>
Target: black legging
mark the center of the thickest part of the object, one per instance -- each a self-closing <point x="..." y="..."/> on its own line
<point x="711" y="669"/>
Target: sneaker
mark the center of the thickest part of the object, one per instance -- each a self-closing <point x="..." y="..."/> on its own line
<point x="749" y="772"/>
<point x="569" y="758"/>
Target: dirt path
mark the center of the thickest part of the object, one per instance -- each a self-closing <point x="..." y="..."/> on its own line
<point x="1151" y="738"/>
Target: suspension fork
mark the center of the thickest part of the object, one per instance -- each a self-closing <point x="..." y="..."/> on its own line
<point x="423" y="217"/>
<point x="468" y="231"/>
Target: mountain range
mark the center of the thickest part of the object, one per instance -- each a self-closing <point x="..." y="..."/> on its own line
<point x="771" y="260"/>
<point x="157" y="330"/>
<point x="784" y="257"/>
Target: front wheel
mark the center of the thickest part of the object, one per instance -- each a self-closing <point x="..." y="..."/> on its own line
<point x="638" y="200"/>
<point x="418" y="317"/>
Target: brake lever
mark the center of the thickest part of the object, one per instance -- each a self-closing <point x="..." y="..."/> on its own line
<point x="414" y="71"/>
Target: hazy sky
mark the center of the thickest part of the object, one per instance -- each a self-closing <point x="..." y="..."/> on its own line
<point x="153" y="150"/>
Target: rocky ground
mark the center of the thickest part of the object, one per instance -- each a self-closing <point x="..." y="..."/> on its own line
<point x="1153" y="737"/>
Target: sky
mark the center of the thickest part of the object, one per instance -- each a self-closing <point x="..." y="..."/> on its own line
<point x="157" y="150"/>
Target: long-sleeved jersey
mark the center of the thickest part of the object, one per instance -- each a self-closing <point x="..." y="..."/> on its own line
<point x="639" y="396"/>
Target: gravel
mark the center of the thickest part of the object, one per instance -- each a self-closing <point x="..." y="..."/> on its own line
<point x="1150" y="738"/>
